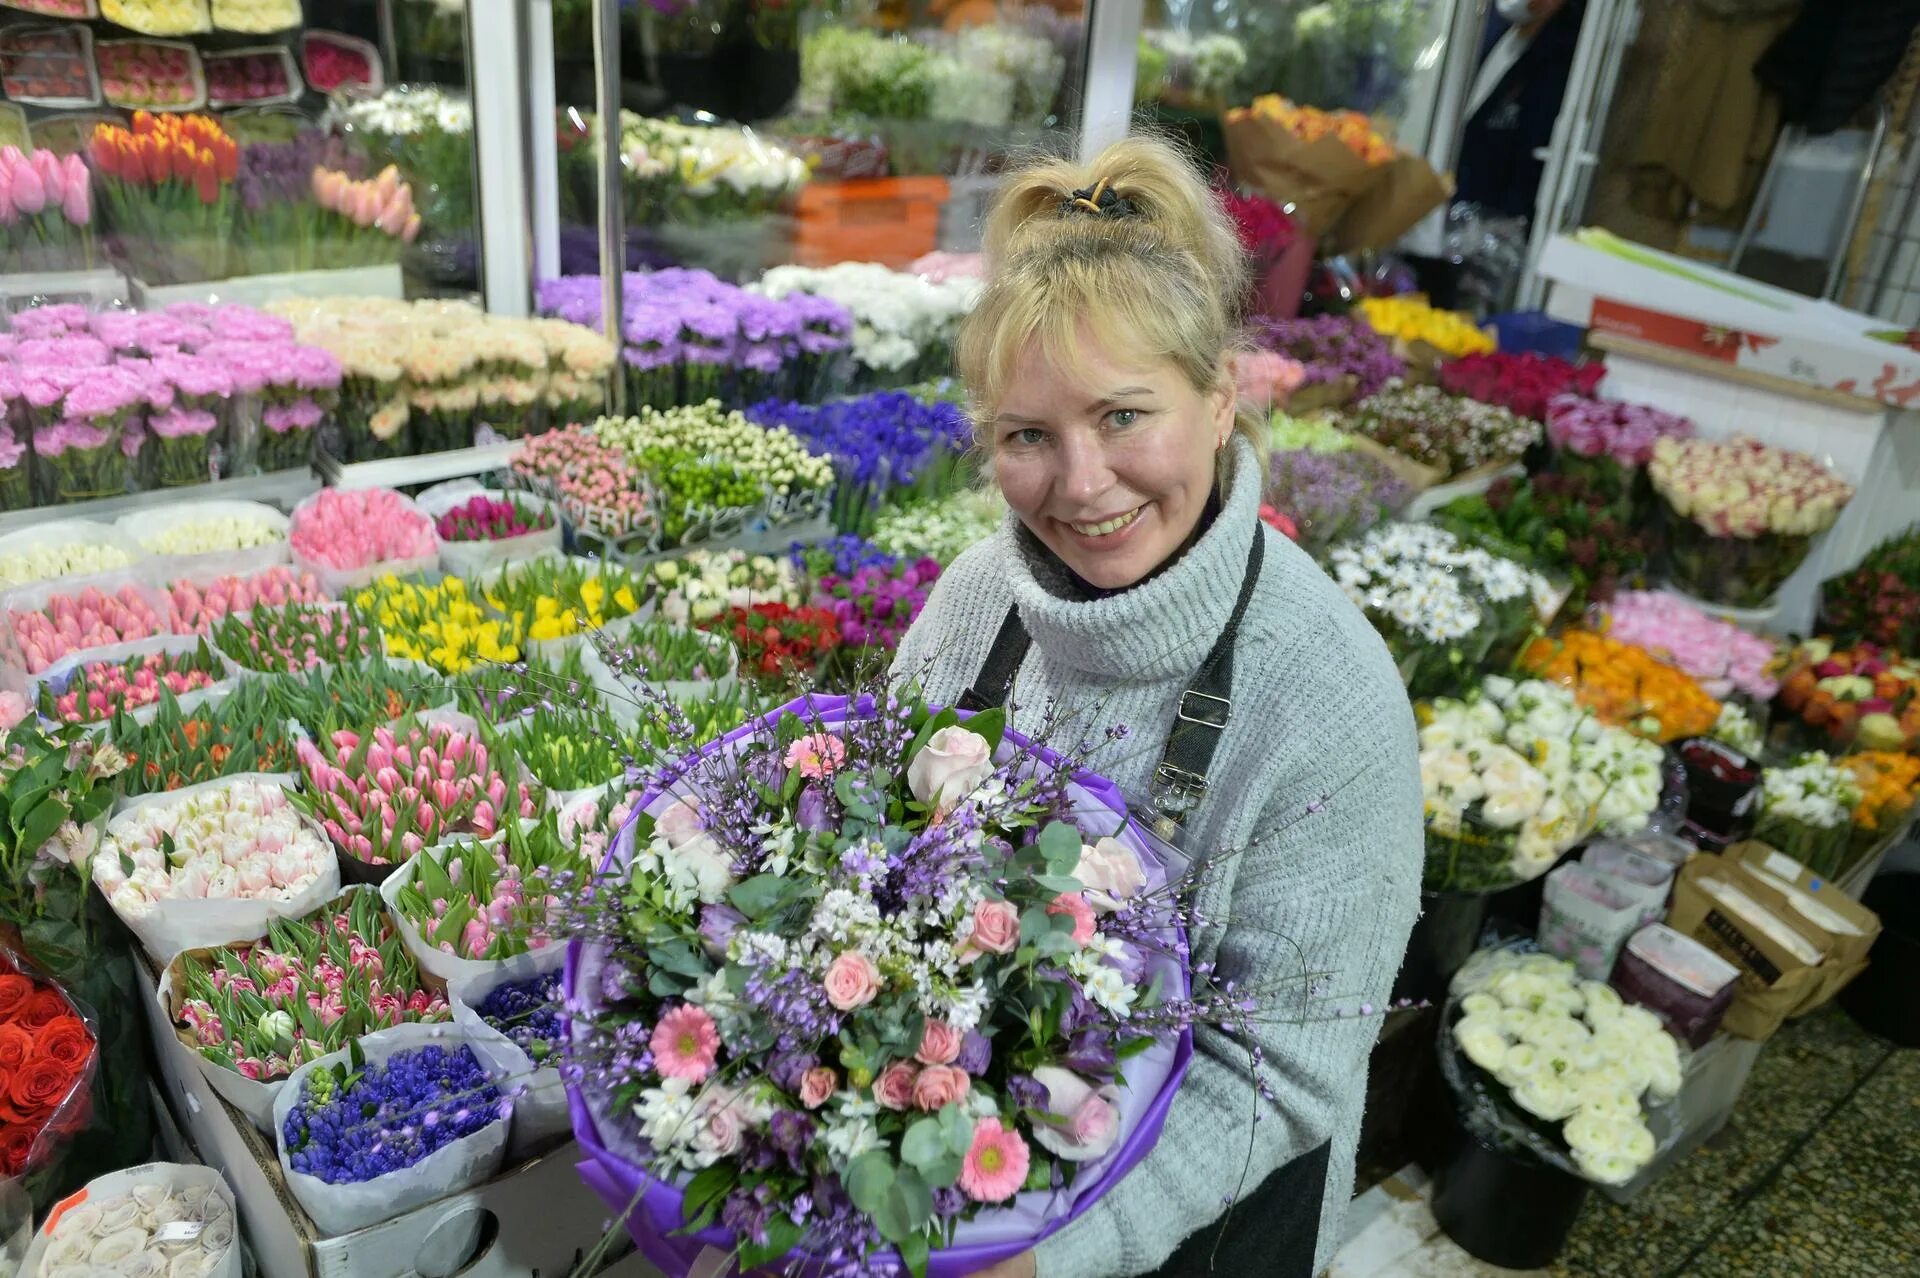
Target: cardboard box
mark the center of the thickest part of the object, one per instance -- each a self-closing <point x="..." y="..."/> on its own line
<point x="536" y="1217"/>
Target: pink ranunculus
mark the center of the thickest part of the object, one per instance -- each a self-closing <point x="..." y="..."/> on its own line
<point x="1085" y="1120"/>
<point x="680" y="822"/>
<point x="852" y="980"/>
<point x="938" y="1086"/>
<point x="1075" y="906"/>
<point x="996" y="929"/>
<point x="894" y="1088"/>
<point x="816" y="1085"/>
<point x="1110" y="872"/>
<point x="949" y="767"/>
<point x="939" y="1044"/>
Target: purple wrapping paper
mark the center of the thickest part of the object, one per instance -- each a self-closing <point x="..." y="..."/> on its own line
<point x="652" y="1207"/>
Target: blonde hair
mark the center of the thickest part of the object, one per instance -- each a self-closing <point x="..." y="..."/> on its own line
<point x="1133" y="251"/>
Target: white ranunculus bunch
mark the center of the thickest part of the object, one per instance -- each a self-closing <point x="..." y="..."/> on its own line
<point x="73" y="559"/>
<point x="244" y="840"/>
<point x="1813" y="790"/>
<point x="939" y="530"/>
<point x="1430" y="585"/>
<point x="213" y="533"/>
<point x="1568" y="1051"/>
<point x="702" y="584"/>
<point x="1524" y="762"/>
<point x="897" y="316"/>
<point x="412" y="109"/>
<point x="1736" y="728"/>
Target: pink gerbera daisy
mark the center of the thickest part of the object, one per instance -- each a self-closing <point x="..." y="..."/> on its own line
<point x="817" y="754"/>
<point x="684" y="1044"/>
<point x="996" y="1165"/>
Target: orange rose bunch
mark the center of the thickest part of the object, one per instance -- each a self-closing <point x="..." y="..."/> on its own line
<point x="1350" y="128"/>
<point x="1887" y="781"/>
<point x="46" y="1057"/>
<point x="1625" y="686"/>
<point x="1864" y="694"/>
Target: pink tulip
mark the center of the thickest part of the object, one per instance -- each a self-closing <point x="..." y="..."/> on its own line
<point x="392" y="219"/>
<point x="29" y="192"/>
<point x="79" y="198"/>
<point x="386" y="182"/>
<point x="412" y="229"/>
<point x="366" y="207"/>
<point x="53" y="175"/>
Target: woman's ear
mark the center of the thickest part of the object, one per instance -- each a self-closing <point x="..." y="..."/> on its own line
<point x="1224" y="401"/>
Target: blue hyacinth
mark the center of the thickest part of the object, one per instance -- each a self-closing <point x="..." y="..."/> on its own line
<point x="351" y="1126"/>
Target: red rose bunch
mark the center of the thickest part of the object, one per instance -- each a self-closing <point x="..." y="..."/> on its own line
<point x="1519" y="381"/>
<point x="774" y="638"/>
<point x="46" y="1053"/>
<point x="1264" y="228"/>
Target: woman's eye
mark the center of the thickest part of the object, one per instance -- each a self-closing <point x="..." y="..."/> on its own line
<point x="1124" y="417"/>
<point x="1029" y="437"/>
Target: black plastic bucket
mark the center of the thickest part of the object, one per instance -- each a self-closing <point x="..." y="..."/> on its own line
<point x="1882" y="999"/>
<point x="1444" y="937"/>
<point x="1507" y="1209"/>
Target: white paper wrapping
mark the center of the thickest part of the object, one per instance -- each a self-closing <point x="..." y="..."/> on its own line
<point x="341" y="1209"/>
<point x="137" y="1191"/>
<point x="340" y="582"/>
<point x="471" y="558"/>
<point x="143" y="526"/>
<point x="540" y="1112"/>
<point x="226" y="676"/>
<point x="173" y="926"/>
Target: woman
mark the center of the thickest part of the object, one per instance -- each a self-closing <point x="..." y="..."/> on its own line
<point x="1133" y="584"/>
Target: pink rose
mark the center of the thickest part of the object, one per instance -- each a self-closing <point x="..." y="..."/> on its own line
<point x="939" y="1044"/>
<point x="816" y="1085"/>
<point x="1075" y="907"/>
<point x="852" y="981"/>
<point x="680" y="822"/>
<point x="950" y="767"/>
<point x="940" y="1085"/>
<point x="722" y="1135"/>
<point x="894" y="1088"/>
<point x="996" y="929"/>
<point x="1110" y="872"/>
<point x="1085" y="1122"/>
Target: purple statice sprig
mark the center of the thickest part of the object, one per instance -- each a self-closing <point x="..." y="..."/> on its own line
<point x="1333" y="346"/>
<point x="527" y="1012"/>
<point x="1332" y="497"/>
<point x="357" y="1121"/>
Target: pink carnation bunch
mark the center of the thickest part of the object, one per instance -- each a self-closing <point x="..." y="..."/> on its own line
<point x="1720" y="655"/>
<point x="348" y="529"/>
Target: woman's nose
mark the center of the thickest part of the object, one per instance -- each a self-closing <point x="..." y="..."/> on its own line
<point x="1084" y="472"/>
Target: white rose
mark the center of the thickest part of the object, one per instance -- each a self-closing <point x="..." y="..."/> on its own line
<point x="949" y="767"/>
<point x="1110" y="872"/>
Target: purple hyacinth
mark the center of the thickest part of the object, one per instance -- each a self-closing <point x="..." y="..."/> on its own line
<point x="397" y="1112"/>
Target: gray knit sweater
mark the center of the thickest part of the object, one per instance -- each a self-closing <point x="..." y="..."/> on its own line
<point x="1318" y="711"/>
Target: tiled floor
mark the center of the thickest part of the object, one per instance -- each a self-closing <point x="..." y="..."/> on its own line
<point x="1817" y="1175"/>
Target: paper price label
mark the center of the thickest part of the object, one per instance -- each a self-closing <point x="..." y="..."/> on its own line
<point x="179" y="1231"/>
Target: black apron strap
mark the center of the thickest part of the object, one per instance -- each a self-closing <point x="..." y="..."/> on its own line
<point x="995" y="683"/>
<point x="1272" y="1232"/>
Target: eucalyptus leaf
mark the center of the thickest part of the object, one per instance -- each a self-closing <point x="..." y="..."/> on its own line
<point x="869" y="1177"/>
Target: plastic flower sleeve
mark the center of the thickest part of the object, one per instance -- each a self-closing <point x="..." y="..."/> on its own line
<point x="539" y="1096"/>
<point x="159" y="531"/>
<point x="1741" y="572"/>
<point x="470" y="558"/>
<point x="461" y="1164"/>
<point x="170" y="924"/>
<point x="58" y="678"/>
<point x="52" y="1094"/>
<point x="178" y="1209"/>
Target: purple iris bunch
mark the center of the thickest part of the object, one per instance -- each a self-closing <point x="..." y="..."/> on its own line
<point x="528" y="1012"/>
<point x="1332" y="347"/>
<point x="875" y="605"/>
<point x="349" y="1129"/>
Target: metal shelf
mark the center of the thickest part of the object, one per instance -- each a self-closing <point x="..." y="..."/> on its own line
<point x="284" y="488"/>
<point x="427" y="468"/>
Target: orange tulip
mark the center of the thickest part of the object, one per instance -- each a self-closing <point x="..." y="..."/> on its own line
<point x="206" y="178"/>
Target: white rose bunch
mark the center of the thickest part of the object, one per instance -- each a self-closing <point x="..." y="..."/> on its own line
<point x="1568" y="1051"/>
<point x="1740" y="487"/>
<point x="182" y="1232"/>
<point x="213" y="533"/>
<point x="73" y="559"/>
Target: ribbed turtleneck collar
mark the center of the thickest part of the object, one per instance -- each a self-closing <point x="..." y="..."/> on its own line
<point x="1160" y="628"/>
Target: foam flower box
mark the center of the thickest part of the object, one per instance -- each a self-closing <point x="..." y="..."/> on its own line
<point x="49" y="66"/>
<point x="252" y="77"/>
<point x="213" y="863"/>
<point x="335" y="61"/>
<point x="256" y="17"/>
<point x="1742" y="514"/>
<point x="153" y="75"/>
<point x="250" y="1015"/>
<point x="1865" y="694"/>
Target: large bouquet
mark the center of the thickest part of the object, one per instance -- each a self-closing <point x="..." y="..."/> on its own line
<point x="49" y="1054"/>
<point x="1522" y="382"/>
<point x="46" y="207"/>
<point x="1332" y="497"/>
<point x="832" y="1049"/>
<point x="1444" y="608"/>
<point x="1561" y="523"/>
<point x="1744" y="514"/>
<point x="1865" y="693"/>
<point x="1609" y="439"/>
<point x="1722" y="656"/>
<point x="1517" y="773"/>
<point x="1626" y="686"/>
<point x="1806" y="810"/>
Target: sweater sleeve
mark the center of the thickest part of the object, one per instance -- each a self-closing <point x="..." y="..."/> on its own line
<point x="1334" y="891"/>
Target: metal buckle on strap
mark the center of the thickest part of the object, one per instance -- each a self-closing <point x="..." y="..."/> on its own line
<point x="1177" y="791"/>
<point x="1191" y="711"/>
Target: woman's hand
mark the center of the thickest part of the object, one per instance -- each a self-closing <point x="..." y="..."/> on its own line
<point x="1020" y="1266"/>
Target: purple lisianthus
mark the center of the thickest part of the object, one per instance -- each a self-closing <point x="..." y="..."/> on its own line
<point x="718" y="923"/>
<point x="1026" y="1091"/>
<point x="976" y="1053"/>
<point x="1332" y="497"/>
<point x="1333" y="346"/>
<point x="810" y="812"/>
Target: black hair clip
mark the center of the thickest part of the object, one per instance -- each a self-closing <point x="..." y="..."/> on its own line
<point x="1098" y="199"/>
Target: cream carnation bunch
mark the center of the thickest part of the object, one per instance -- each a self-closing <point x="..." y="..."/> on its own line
<point x="1567" y="1051"/>
<point x="1741" y="487"/>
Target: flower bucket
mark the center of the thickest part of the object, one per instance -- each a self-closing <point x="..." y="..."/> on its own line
<point x="1446" y="933"/>
<point x="1742" y="572"/>
<point x="1508" y="1209"/>
<point x="1880" y="1000"/>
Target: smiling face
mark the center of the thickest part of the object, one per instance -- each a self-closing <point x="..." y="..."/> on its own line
<point x="1110" y="462"/>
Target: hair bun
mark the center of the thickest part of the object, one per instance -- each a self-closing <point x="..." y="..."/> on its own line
<point x="1100" y="199"/>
